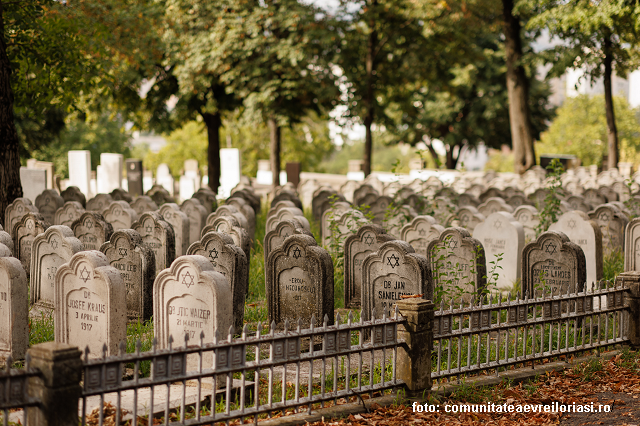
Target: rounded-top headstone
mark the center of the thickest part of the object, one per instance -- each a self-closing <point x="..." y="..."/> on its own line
<point x="143" y="204"/>
<point x="14" y="212"/>
<point x="14" y="310"/>
<point x="68" y="213"/>
<point x="283" y="229"/>
<point x="197" y="215"/>
<point x="158" y="236"/>
<point x="6" y="240"/>
<point x="92" y="230"/>
<point x="419" y="232"/>
<point x="120" y="215"/>
<point x="207" y="198"/>
<point x="47" y="203"/>
<point x="99" y="203"/>
<point x="120" y="194"/>
<point x="24" y="232"/>
<point x="73" y="193"/>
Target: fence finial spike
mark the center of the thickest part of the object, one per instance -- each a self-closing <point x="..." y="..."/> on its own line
<point x="258" y="329"/>
<point x="396" y="311"/>
<point x="86" y="352"/>
<point x="373" y="314"/>
<point x="286" y="325"/>
<point x="232" y="331"/>
<point x="350" y="317"/>
<point x="384" y="314"/>
<point x="313" y="321"/>
<point x="122" y="348"/>
<point x="9" y="363"/>
<point x="273" y="327"/>
<point x="338" y="318"/>
<point x="186" y="339"/>
<point x="138" y="345"/>
<point x="105" y="349"/>
<point x="245" y="329"/>
<point x="325" y="322"/>
<point x="170" y="340"/>
<point x="216" y="336"/>
<point x="27" y="360"/>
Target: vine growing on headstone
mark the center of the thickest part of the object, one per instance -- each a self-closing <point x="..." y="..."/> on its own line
<point x="551" y="211"/>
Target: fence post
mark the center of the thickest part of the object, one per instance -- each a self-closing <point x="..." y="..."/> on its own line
<point x="631" y="280"/>
<point x="414" y="357"/>
<point x="58" y="387"/>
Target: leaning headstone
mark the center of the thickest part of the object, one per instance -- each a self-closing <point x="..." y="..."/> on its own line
<point x="143" y="204"/>
<point x="586" y="233"/>
<point x="158" y="236"/>
<point x="529" y="218"/>
<point x="172" y="214"/>
<point x="357" y="247"/>
<point x="553" y="264"/>
<point x="191" y="298"/>
<point x="390" y="273"/>
<point x="197" y="215"/>
<point x="47" y="203"/>
<point x="612" y="223"/>
<point x="137" y="266"/>
<point x="230" y="261"/>
<point x="90" y="304"/>
<point x="120" y="215"/>
<point x="299" y="277"/>
<point x="99" y="203"/>
<point x="73" y="193"/>
<point x="14" y="312"/>
<point x="92" y="230"/>
<point x="24" y="232"/>
<point x="68" y="213"/>
<point x="49" y="252"/>
<point x="283" y="229"/>
<point x="502" y="237"/>
<point x="14" y="212"/>
<point x="420" y="232"/>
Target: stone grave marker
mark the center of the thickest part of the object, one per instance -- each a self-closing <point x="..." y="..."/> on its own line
<point x="230" y="261"/>
<point x="229" y="225"/>
<point x="538" y="197"/>
<point x="134" y="177"/>
<point x="489" y="193"/>
<point x="24" y="232"/>
<point x="73" y="193"/>
<point x="299" y="278"/>
<point x="207" y="198"/>
<point x="226" y="210"/>
<point x="160" y="195"/>
<point x="287" y="213"/>
<point x="632" y="246"/>
<point x="110" y="172"/>
<point x="14" y="212"/>
<point x="330" y="215"/>
<point x="518" y="200"/>
<point x="197" y="215"/>
<point x="92" y="230"/>
<point x="80" y="170"/>
<point x="33" y="182"/>
<point x="282" y="230"/>
<point x="420" y="232"/>
<point x="230" y="170"/>
<point x="502" y="237"/>
<point x="390" y="273"/>
<point x="357" y="247"/>
<point x="469" y="217"/>
<point x="143" y="204"/>
<point x="120" y="194"/>
<point x="467" y="199"/>
<point x="50" y="250"/>
<point x="247" y="211"/>
<point x="191" y="298"/>
<point x="493" y="205"/>
<point x="165" y="180"/>
<point x="612" y="223"/>
<point x="476" y="190"/>
<point x="529" y="218"/>
<point x="593" y="197"/>
<point x="7" y="241"/>
<point x="321" y="195"/>
<point x="397" y="218"/>
<point x="99" y="203"/>
<point x="172" y="214"/>
<point x="577" y="202"/>
<point x="120" y="215"/>
<point x="136" y="263"/>
<point x="283" y="204"/>
<point x="68" y="213"/>
<point x="586" y="233"/>
<point x="158" y="236"/>
<point x="14" y="312"/>
<point x="287" y="195"/>
<point x="608" y="193"/>
<point x="250" y="197"/>
<point x="47" y="203"/>
<point x="90" y="304"/>
<point x="361" y="192"/>
<point x="553" y="263"/>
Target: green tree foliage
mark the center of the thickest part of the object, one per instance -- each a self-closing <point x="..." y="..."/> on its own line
<point x="580" y="128"/>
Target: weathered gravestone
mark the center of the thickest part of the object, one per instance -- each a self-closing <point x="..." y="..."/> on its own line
<point x="172" y="214"/>
<point x="137" y="266"/>
<point x="592" y="197"/>
<point x="329" y="218"/>
<point x="553" y="264"/>
<point x="229" y="211"/>
<point x="397" y="218"/>
<point x="632" y="246"/>
<point x="529" y="218"/>
<point x="5" y="239"/>
<point x="99" y="203"/>
<point x="120" y="215"/>
<point x="489" y="193"/>
<point x="230" y="226"/>
<point x="92" y="230"/>
<point x="14" y="312"/>
<point x="612" y="223"/>
<point x="191" y="298"/>
<point x="120" y="194"/>
<point x="197" y="215"/>
<point x="493" y="205"/>
<point x="299" y="277"/>
<point x="319" y="197"/>
<point x="24" y="232"/>
<point x="47" y="203"/>
<point x="50" y="250"/>
<point x="73" y="193"/>
<point x="14" y="212"/>
<point x="458" y="265"/>
<point x="287" y="213"/>
<point x="379" y="207"/>
<point x="143" y="204"/>
<point x="158" y="236"/>
<point x="287" y="195"/>
<point x="91" y="307"/>
<point x="467" y="199"/>
<point x="207" y="198"/>
<point x="159" y="194"/>
<point x="283" y="229"/>
<point x="584" y="232"/>
<point x="248" y="195"/>
<point x="230" y="261"/>
<point x="420" y="232"/>
<point x="247" y="211"/>
<point x="502" y="237"/>
<point x="577" y="202"/>
<point x="357" y="247"/>
<point x="69" y="213"/>
<point x="390" y="273"/>
<point x="469" y="217"/>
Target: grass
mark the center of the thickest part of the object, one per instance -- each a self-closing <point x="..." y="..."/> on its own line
<point x="612" y="264"/>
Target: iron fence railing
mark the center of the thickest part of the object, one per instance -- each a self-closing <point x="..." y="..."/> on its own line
<point x="14" y="392"/>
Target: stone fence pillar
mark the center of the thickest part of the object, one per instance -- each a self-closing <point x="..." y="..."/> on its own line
<point x="414" y="357"/>
<point x="631" y="280"/>
<point x="58" y="388"/>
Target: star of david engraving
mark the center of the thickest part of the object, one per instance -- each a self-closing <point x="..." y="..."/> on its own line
<point x="70" y="215"/>
<point x="30" y="225"/>
<point x="286" y="235"/>
<point x="213" y="254"/>
<point x="497" y="224"/>
<point x="525" y="217"/>
<point x="572" y="224"/>
<point x="54" y="244"/>
<point x="46" y="200"/>
<point x="393" y="261"/>
<point x="604" y="216"/>
<point x="464" y="218"/>
<point x="20" y="209"/>
<point x="88" y="224"/>
<point x="167" y="216"/>
<point x="116" y="212"/>
<point x="422" y="232"/>
<point x="550" y="248"/>
<point x="84" y="274"/>
<point x="187" y="279"/>
<point x="122" y="251"/>
<point x="368" y="239"/>
<point x="148" y="229"/>
<point x="297" y="253"/>
<point x="453" y="244"/>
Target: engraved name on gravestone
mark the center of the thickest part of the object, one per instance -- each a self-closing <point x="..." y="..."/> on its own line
<point x="47" y="203"/>
<point x="552" y="263"/>
<point x="230" y="261"/>
<point x="92" y="230"/>
<point x="14" y="212"/>
<point x="69" y="213"/>
<point x="283" y="229"/>
<point x="14" y="312"/>
<point x="357" y="247"/>
<point x="420" y="232"/>
<point x="612" y="223"/>
<point x="172" y="214"/>
<point x="137" y="266"/>
<point x="90" y="304"/>
<point x="25" y="231"/>
<point x="197" y="215"/>
<point x="299" y="277"/>
<point x="99" y="203"/>
<point x="120" y="215"/>
<point x="49" y="252"/>
<point x="390" y="273"/>
<point x="158" y="236"/>
<point x="191" y="298"/>
<point x="143" y="204"/>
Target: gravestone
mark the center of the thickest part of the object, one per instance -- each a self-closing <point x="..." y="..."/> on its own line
<point x="73" y="193"/>
<point x="378" y="208"/>
<point x="109" y="175"/>
<point x="608" y="193"/>
<point x="287" y="213"/>
<point x="361" y="192"/>
<point x="457" y="260"/>
<point x="489" y="193"/>
<point x="197" y="216"/>
<point x="99" y="203"/>
<point x="136" y="263"/>
<point x="191" y="298"/>
<point x="90" y="304"/>
<point x="160" y="195"/>
<point x="577" y="202"/>
<point x="281" y="205"/>
<point x="80" y="170"/>
<point x="420" y="232"/>
<point x="493" y="205"/>
<point x="299" y="278"/>
<point x="529" y="218"/>
<point x="14" y="212"/>
<point x="227" y="210"/>
<point x="24" y="232"/>
<point x="282" y="230"/>
<point x="518" y="200"/>
<point x="287" y="195"/>
<point x="33" y="182"/>
<point x="50" y="250"/>
<point x="538" y="197"/>
<point x="32" y="163"/>
<point x="593" y="197"/>
<point x="143" y="204"/>
<point x="467" y="199"/>
<point x="502" y="237"/>
<point x="158" y="236"/>
<point x="247" y="211"/>
<point x="120" y="194"/>
<point x="586" y="233"/>
<point x="249" y="196"/>
<point x="14" y="312"/>
<point x="317" y="203"/>
<point x="47" y="203"/>
<point x="164" y="179"/>
<point x="632" y="246"/>
<point x="68" y="213"/>
<point x="612" y="223"/>
<point x="92" y="230"/>
<point x="120" y="215"/>
<point x="207" y="198"/>
<point x="397" y="218"/>
<point x="390" y="273"/>
<point x="330" y="216"/>
<point x="7" y="241"/>
<point x="230" y="170"/>
<point x="554" y="264"/>
<point x="134" y="177"/>
<point x="230" y="261"/>
<point x="469" y="217"/>
<point x="172" y="214"/>
<point x="229" y="225"/>
<point x="357" y="247"/>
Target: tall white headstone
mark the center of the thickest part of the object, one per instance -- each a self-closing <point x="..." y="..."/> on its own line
<point x="230" y="170"/>
<point x="109" y="174"/>
<point x="80" y="170"/>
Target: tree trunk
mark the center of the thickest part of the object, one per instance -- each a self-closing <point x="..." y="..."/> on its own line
<point x="10" y="186"/>
<point x="213" y="123"/>
<point x="518" y="92"/>
<point x="369" y="97"/>
<point x="274" y="136"/>
<point x="612" y="131"/>
<point x="451" y="161"/>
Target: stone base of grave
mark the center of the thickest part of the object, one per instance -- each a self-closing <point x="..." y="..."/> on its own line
<point x="39" y="310"/>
